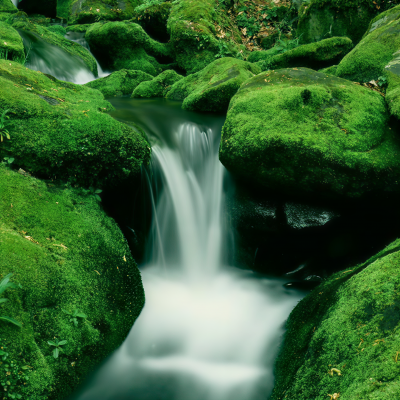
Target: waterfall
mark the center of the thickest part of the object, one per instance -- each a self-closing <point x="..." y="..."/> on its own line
<point x="15" y="2"/>
<point x="208" y="331"/>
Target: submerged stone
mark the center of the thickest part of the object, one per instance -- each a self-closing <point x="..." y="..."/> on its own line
<point x="300" y="131"/>
<point x="61" y="130"/>
<point x="158" y="86"/>
<point x="120" y="82"/>
<point x="212" y="88"/>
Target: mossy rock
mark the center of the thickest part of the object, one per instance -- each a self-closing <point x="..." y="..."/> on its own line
<point x="7" y="6"/>
<point x="212" y="88"/>
<point x="89" y="11"/>
<point x="314" y="55"/>
<point x="120" y="82"/>
<point x="11" y="45"/>
<point x="67" y="254"/>
<point x="319" y="19"/>
<point x="126" y="45"/>
<point x="343" y="337"/>
<point x="198" y="33"/>
<point x="60" y="130"/>
<point x="22" y="23"/>
<point x="78" y="28"/>
<point x="60" y="30"/>
<point x="368" y="59"/>
<point x="158" y="86"/>
<point x="299" y="131"/>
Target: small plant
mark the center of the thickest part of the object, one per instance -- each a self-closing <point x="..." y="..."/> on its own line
<point x="75" y="315"/>
<point x="57" y="346"/>
<point x="95" y="193"/>
<point x="4" y="285"/>
<point x="9" y="160"/>
<point x="4" y="124"/>
<point x="382" y="81"/>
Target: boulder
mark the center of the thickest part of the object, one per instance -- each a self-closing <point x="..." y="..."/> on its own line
<point x="314" y="55"/>
<point x="7" y="6"/>
<point x="300" y="131"/>
<point x="11" y="45"/>
<point x="319" y="19"/>
<point x="158" y="86"/>
<point x="62" y="130"/>
<point x="68" y="256"/>
<point x="342" y="338"/>
<point x="212" y="88"/>
<point x="119" y="45"/>
<point x="120" y="82"/>
<point x="367" y="61"/>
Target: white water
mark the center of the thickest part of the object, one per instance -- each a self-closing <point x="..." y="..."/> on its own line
<point x="15" y="2"/>
<point x="207" y="332"/>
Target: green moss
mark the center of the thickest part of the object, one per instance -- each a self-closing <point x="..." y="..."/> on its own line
<point x="125" y="45"/>
<point x="329" y="70"/>
<point x="319" y="19"/>
<point x="11" y="45"/>
<point x="196" y="30"/>
<point x="60" y="130"/>
<point x="120" y="82"/>
<point x="349" y="322"/>
<point x="314" y="55"/>
<point x="368" y="59"/>
<point x="67" y="254"/>
<point x="300" y="131"/>
<point x="7" y="6"/>
<point x="212" y="88"/>
<point x="60" y="30"/>
<point x="158" y="86"/>
<point x="78" y="28"/>
<point x="22" y="23"/>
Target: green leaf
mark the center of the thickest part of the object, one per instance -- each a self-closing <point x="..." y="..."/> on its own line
<point x="62" y="342"/>
<point x="3" y="300"/>
<point x="11" y="160"/>
<point x="55" y="352"/>
<point x="10" y="320"/>
<point x="98" y="191"/>
<point x="51" y="343"/>
<point x="81" y="315"/>
<point x="97" y="197"/>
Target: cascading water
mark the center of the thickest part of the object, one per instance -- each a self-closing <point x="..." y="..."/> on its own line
<point x="15" y="2"/>
<point x="207" y="331"/>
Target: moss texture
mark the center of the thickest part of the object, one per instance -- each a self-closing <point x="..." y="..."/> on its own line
<point x="198" y="31"/>
<point x="125" y="45"/>
<point x="67" y="254"/>
<point x="22" y="23"/>
<point x="349" y="323"/>
<point x="61" y="130"/>
<point x="60" y="30"/>
<point x="314" y="55"/>
<point x="7" y="6"/>
<point x="212" y="88"/>
<point x="78" y="28"/>
<point x="158" y="86"/>
<point x="368" y="59"/>
<point x="11" y="45"/>
<point x="319" y="19"/>
<point x="300" y="131"/>
<point x="89" y="11"/>
<point x="120" y="82"/>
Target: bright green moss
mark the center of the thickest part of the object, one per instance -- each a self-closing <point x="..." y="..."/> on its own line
<point x="11" y="45"/>
<point x="78" y="28"/>
<point x="61" y="130"/>
<point x="158" y="86"/>
<point x="314" y="55"/>
<point x="368" y="59"/>
<point x="7" y="6"/>
<point x="329" y="70"/>
<point x="212" y="88"/>
<point x="60" y="30"/>
<point x="120" y="82"/>
<point x="319" y="19"/>
<point x="125" y="45"/>
<point x="300" y="131"/>
<point x="349" y="322"/>
<point x="66" y="253"/>
<point x="196" y="29"/>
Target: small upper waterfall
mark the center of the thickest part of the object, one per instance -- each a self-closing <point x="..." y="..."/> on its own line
<point x="15" y="2"/>
<point x="207" y="331"/>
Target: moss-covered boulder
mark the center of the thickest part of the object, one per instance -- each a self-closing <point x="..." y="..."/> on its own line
<point x="199" y="32"/>
<point x="158" y="86"/>
<point x="126" y="45"/>
<point x="368" y="59"/>
<point x="212" y="88"/>
<point x="89" y="11"/>
<point x="120" y="82"/>
<point x="343" y="337"/>
<point x="300" y="131"/>
<point x="61" y="130"/>
<point x="11" y="45"/>
<point x="319" y="19"/>
<point x="68" y="255"/>
<point x="7" y="6"/>
<point x="314" y="55"/>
